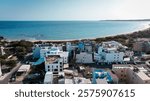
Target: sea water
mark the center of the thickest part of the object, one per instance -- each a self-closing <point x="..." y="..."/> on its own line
<point x="66" y="30"/>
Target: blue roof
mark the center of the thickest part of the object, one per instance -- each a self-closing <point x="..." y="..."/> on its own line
<point x="102" y="75"/>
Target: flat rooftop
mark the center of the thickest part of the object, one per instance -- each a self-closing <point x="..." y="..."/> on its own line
<point x="52" y="58"/>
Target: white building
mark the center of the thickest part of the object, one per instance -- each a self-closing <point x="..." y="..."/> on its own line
<point x="55" y="60"/>
<point x="48" y="78"/>
<point x="132" y="74"/>
<point x="2" y="50"/>
<point x="39" y="50"/>
<point x="88" y="47"/>
<point x="57" y="51"/>
<point x="70" y="47"/>
<point x="108" y="54"/>
<point x="84" y="57"/>
<point x="54" y="64"/>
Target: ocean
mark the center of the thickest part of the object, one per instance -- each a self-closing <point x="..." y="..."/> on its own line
<point x="66" y="30"/>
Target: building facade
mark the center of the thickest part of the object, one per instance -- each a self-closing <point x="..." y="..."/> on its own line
<point x="84" y="57"/>
<point x="109" y="54"/>
<point x="132" y="74"/>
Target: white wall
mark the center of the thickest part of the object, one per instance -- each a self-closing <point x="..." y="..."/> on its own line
<point x="88" y="48"/>
<point x="114" y="57"/>
<point x="50" y="67"/>
<point x="84" y="58"/>
<point x="48" y="78"/>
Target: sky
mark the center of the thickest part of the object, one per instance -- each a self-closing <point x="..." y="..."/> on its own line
<point x="74" y="9"/>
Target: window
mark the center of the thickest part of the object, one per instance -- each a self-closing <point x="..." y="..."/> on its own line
<point x="48" y="66"/>
<point x="48" y="69"/>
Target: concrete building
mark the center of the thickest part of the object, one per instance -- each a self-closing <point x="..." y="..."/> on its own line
<point x="70" y="47"/>
<point x="88" y="48"/>
<point x="57" y="51"/>
<point x="84" y="57"/>
<point x="39" y="50"/>
<point x="109" y="52"/>
<point x="138" y="46"/>
<point x="132" y="74"/>
<point x="54" y="64"/>
<point x="44" y="51"/>
<point x="142" y="45"/>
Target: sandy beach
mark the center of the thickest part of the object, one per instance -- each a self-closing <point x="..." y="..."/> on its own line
<point x="146" y="27"/>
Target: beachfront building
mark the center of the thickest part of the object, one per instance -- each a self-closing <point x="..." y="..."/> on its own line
<point x="71" y="47"/>
<point x="55" y="59"/>
<point x="132" y="74"/>
<point x="39" y="50"/>
<point x="57" y="51"/>
<point x="43" y="50"/>
<point x="108" y="52"/>
<point x="84" y="57"/>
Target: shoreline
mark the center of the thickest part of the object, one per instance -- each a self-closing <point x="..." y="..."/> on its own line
<point x="145" y="27"/>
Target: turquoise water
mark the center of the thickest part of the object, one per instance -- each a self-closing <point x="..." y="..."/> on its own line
<point x="63" y="30"/>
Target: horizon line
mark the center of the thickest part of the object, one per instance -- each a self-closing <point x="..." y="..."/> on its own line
<point x="85" y="20"/>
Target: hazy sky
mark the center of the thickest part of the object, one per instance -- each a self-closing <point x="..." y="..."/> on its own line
<point x="74" y="9"/>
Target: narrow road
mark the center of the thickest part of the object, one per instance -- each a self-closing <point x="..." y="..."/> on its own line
<point x="4" y="79"/>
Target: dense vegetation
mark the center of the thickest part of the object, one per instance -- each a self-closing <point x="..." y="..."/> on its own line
<point x="15" y="48"/>
<point x="127" y="39"/>
<point x="21" y="48"/>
